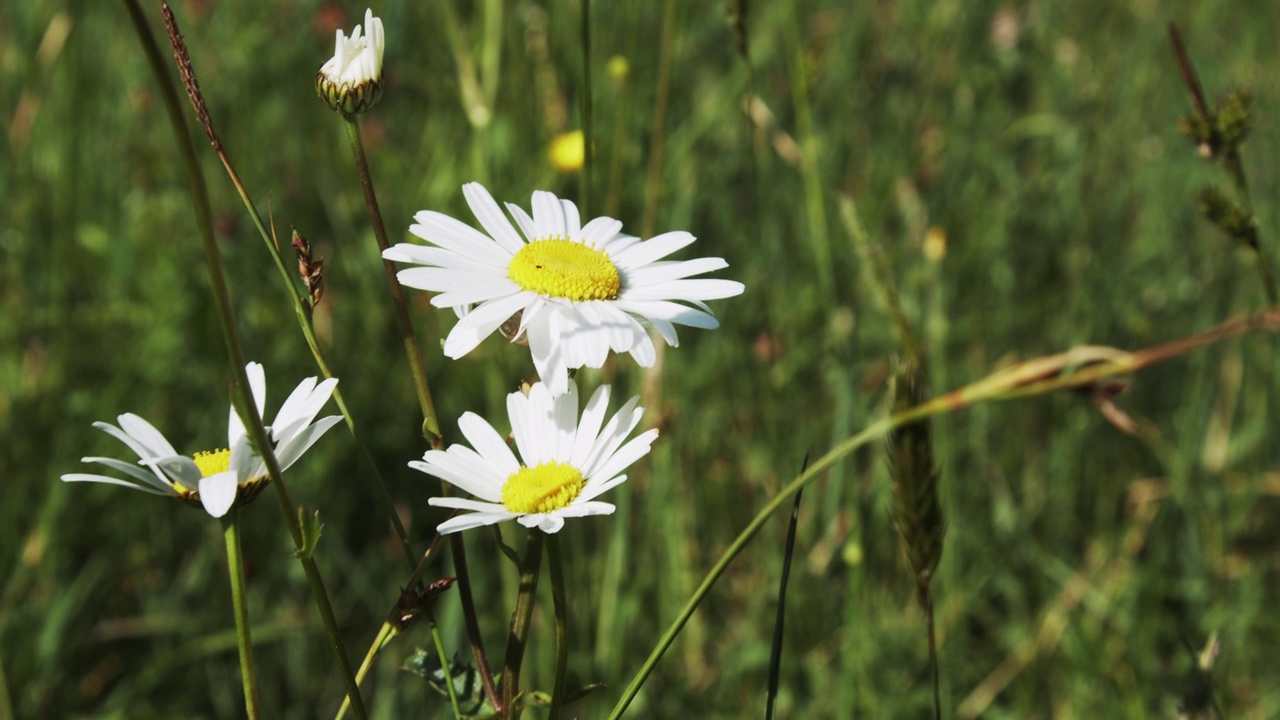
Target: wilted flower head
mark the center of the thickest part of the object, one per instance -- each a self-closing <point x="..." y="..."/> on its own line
<point x="565" y="462"/>
<point x="351" y="81"/>
<point x="220" y="478"/>
<point x="574" y="291"/>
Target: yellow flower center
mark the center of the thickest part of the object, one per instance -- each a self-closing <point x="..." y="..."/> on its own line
<point x="549" y="486"/>
<point x="556" y="267"/>
<point x="213" y="462"/>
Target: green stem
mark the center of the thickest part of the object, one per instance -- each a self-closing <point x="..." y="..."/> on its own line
<point x="430" y="425"/>
<point x="303" y="316"/>
<point x="562" y="625"/>
<point x="242" y="394"/>
<point x="385" y="634"/>
<point x="240" y="607"/>
<point x="520" y="624"/>
<point x="444" y="664"/>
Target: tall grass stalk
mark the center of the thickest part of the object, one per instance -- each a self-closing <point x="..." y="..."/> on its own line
<point x="1081" y="367"/>
<point x="242" y="395"/>
<point x="917" y="509"/>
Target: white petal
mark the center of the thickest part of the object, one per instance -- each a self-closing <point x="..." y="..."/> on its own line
<point x="105" y="480"/>
<point x="600" y="231"/>
<point x="584" y="509"/>
<point x="439" y="257"/>
<point x="465" y="504"/>
<point x="465" y="469"/>
<point x="548" y="358"/>
<point x="460" y="239"/>
<point x="614" y="433"/>
<point x="615" y="463"/>
<point x="590" y="492"/>
<point x="564" y="424"/>
<point x="549" y="524"/>
<point x="293" y="448"/>
<point x="149" y="438"/>
<point x="572" y="220"/>
<point x="179" y="468"/>
<point x="523" y="221"/>
<point x="548" y="216"/>
<point x="653" y="249"/>
<point x="482" y="322"/>
<point x="491" y="218"/>
<point x="665" y="310"/>
<point x="471" y="520"/>
<point x="218" y="493"/>
<point x="488" y="443"/>
<point x="661" y="272"/>
<point x="258" y="385"/>
<point x="589" y="426"/>
<point x="154" y="479"/>
<point x="696" y="289"/>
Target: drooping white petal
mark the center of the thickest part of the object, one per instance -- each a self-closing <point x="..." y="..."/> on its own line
<point x="293" y="448"/>
<point x="86" y="477"/>
<point x="218" y="493"/>
<point x="150" y="439"/>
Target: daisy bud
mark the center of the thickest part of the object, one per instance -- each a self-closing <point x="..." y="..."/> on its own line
<point x="351" y="81"/>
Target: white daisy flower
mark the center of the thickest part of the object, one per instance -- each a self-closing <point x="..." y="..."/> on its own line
<point x="577" y="290"/>
<point x="214" y="479"/>
<point x="351" y="80"/>
<point x="565" y="464"/>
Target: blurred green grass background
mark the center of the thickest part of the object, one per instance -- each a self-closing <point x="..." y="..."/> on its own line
<point x="1040" y="138"/>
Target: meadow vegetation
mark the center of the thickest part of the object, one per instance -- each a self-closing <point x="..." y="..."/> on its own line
<point x="1019" y="171"/>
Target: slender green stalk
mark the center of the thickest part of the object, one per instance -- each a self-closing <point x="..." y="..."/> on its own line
<point x="301" y="312"/>
<point x="240" y="607"/>
<point x="431" y="425"/>
<point x="520" y="624"/>
<point x="1034" y="377"/>
<point x="584" y="100"/>
<point x="242" y="395"/>
<point x="444" y="664"/>
<point x="562" y="625"/>
<point x="386" y="634"/>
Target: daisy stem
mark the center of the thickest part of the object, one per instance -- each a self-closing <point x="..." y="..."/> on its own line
<point x="301" y="312"/>
<point x="242" y="394"/>
<point x="430" y="425"/>
<point x="1039" y="376"/>
<point x="562" y="625"/>
<point x="240" y="607"/>
<point x="520" y="624"/>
